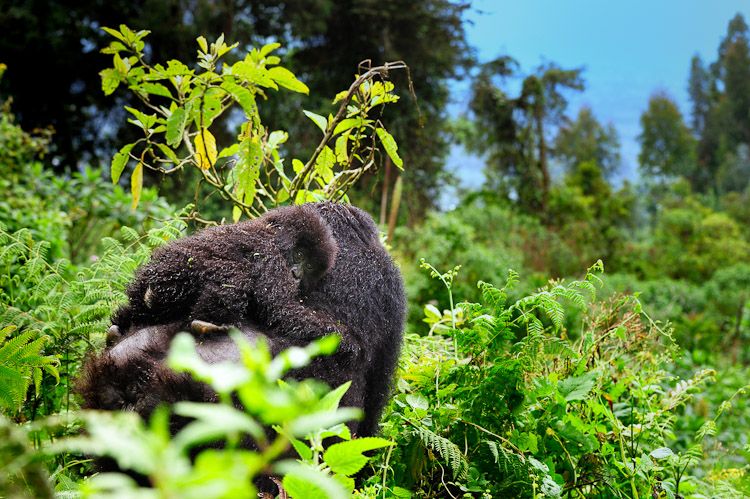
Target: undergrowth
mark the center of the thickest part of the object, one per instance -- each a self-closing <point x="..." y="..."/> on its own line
<point x="508" y="401"/>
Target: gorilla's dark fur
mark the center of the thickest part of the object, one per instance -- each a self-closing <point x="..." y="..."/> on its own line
<point x="233" y="274"/>
<point x="353" y="288"/>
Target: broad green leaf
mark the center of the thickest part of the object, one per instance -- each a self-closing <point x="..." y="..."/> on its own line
<point x="308" y="423"/>
<point x="390" y="147"/>
<point x="120" y="65"/>
<point x="324" y="164"/>
<point x="342" y="154"/>
<point x="282" y="195"/>
<point x="304" y="482"/>
<point x="169" y="153"/>
<point x="661" y="453"/>
<point x="119" y="161"/>
<point x="110" y="80"/>
<point x="418" y="401"/>
<point x="528" y="442"/>
<point x="331" y="400"/>
<point x="346" y="124"/>
<point x="210" y="108"/>
<point x="212" y="422"/>
<point x="276" y="138"/>
<point x="175" y="126"/>
<point x="340" y="431"/>
<point x="136" y="184"/>
<point x="248" y="71"/>
<point x="286" y="79"/>
<point x="205" y="149"/>
<point x="305" y="196"/>
<point x="243" y="96"/>
<point x="318" y="120"/>
<point x="268" y="48"/>
<point x="229" y="151"/>
<point x="120" y="435"/>
<point x="249" y="159"/>
<point x="176" y="68"/>
<point x="302" y="449"/>
<point x="432" y="314"/>
<point x="202" y="43"/>
<point x="115" y="33"/>
<point x="297" y="165"/>
<point x="156" y="89"/>
<point x="347" y="459"/>
<point x="143" y="120"/>
<point x="577" y="388"/>
<point x="401" y="493"/>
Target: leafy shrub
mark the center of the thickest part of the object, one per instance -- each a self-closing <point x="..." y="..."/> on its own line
<point x="510" y="404"/>
<point x="181" y="104"/>
<point x="50" y="300"/>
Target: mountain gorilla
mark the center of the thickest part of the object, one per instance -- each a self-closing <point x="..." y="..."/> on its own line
<point x="292" y="275"/>
<point x="228" y="275"/>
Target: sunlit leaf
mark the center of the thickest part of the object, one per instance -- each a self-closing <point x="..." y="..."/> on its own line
<point x="347" y="458"/>
<point x="318" y="120"/>
<point x="389" y="144"/>
<point x="302" y="481"/>
<point x="176" y="126"/>
<point x="110" y="80"/>
<point x="136" y="184"/>
<point x="119" y="161"/>
<point x="286" y="79"/>
<point x="205" y="149"/>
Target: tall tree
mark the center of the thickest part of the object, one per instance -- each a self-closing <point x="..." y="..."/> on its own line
<point x="699" y="89"/>
<point x="727" y="122"/>
<point x="734" y="73"/>
<point x="515" y="132"/>
<point x="667" y="146"/>
<point x="586" y="140"/>
<point x="52" y="52"/>
<point x="428" y="35"/>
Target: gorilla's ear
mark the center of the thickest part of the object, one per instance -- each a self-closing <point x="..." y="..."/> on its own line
<point x="306" y="241"/>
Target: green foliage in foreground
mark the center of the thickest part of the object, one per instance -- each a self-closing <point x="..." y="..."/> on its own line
<point x="302" y="413"/>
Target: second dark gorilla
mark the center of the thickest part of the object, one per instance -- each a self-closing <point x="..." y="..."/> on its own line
<point x="358" y="293"/>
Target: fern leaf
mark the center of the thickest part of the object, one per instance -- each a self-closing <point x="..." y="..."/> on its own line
<point x="451" y="454"/>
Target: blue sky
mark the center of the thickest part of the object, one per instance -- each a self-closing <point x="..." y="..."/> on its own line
<point x="628" y="49"/>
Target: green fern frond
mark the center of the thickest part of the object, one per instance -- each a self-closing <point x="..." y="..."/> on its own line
<point x="21" y="363"/>
<point x="708" y="429"/>
<point x="451" y="454"/>
<point x="534" y="326"/>
<point x="512" y="467"/>
<point x="491" y="296"/>
<point x="691" y="456"/>
<point x="511" y="280"/>
<point x="129" y="234"/>
<point x="559" y="348"/>
<point x="94" y="313"/>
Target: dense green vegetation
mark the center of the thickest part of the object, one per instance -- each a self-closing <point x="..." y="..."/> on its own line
<point x="527" y="369"/>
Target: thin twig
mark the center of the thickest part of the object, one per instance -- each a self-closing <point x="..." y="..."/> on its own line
<point x="379" y="70"/>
